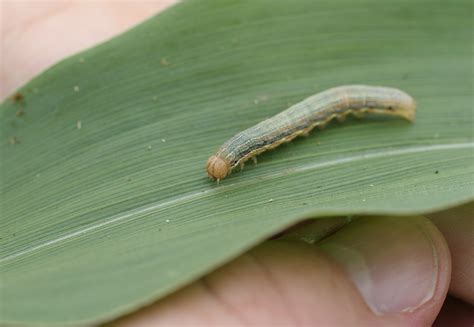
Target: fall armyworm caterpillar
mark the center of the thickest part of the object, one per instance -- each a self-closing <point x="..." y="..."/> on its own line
<point x="301" y="118"/>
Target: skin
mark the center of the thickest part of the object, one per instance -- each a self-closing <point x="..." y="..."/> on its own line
<point x="302" y="277"/>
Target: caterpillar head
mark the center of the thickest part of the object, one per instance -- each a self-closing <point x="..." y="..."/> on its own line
<point x="217" y="168"/>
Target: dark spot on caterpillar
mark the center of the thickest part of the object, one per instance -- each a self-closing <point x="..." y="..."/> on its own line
<point x="390" y="108"/>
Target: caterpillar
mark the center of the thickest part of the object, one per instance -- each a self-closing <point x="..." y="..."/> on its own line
<point x="301" y="118"/>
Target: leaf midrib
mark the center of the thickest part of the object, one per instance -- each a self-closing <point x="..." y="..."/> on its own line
<point x="132" y="213"/>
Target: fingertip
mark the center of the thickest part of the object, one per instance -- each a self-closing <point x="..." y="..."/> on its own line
<point x="456" y="225"/>
<point x="401" y="266"/>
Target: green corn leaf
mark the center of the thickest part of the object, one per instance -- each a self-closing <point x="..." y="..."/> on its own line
<point x="105" y="203"/>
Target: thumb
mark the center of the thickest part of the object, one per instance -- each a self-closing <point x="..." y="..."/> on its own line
<point x="400" y="266"/>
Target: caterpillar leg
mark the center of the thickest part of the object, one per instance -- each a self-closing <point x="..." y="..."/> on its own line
<point x="242" y="166"/>
<point x="254" y="159"/>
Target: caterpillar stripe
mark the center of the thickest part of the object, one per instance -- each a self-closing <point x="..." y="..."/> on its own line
<point x="301" y="118"/>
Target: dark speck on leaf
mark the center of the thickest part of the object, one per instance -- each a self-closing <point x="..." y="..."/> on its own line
<point x="437" y="171"/>
<point x="18" y="97"/>
<point x="13" y="140"/>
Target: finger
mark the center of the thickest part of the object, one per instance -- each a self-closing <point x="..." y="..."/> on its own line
<point x="457" y="226"/>
<point x="375" y="271"/>
<point x="35" y="35"/>
<point x="401" y="266"/>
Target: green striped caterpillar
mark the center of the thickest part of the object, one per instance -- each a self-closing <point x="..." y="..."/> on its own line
<point x="301" y="118"/>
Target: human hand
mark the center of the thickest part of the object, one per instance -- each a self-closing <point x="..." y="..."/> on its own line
<point x="373" y="271"/>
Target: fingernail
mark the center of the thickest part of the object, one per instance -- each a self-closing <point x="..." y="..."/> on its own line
<point x="392" y="261"/>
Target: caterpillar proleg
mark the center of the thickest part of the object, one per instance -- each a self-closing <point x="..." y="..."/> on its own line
<point x="301" y="118"/>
